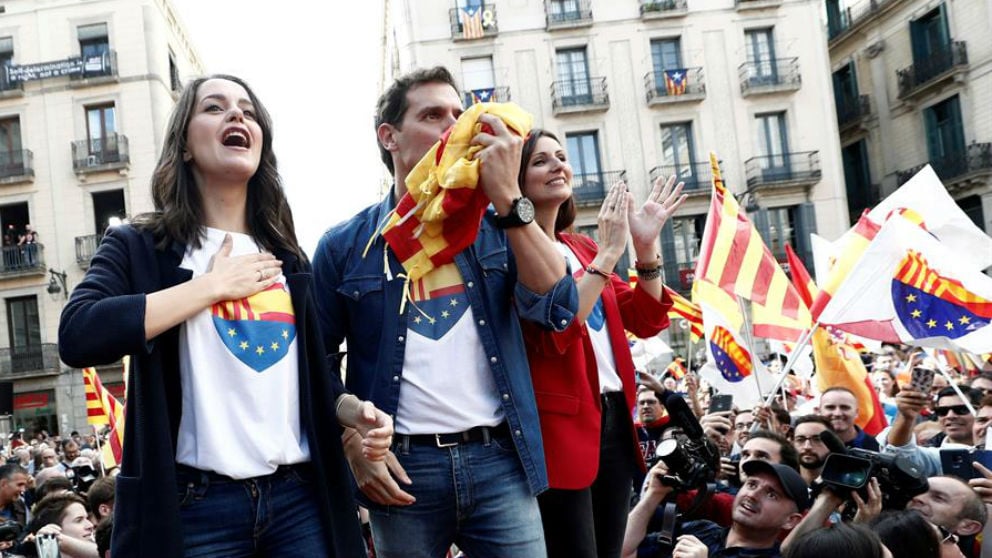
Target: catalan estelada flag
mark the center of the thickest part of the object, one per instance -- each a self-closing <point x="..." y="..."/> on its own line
<point x="733" y="257"/>
<point x="675" y="81"/>
<point x="470" y="17"/>
<point x="440" y="214"/>
<point x="484" y="95"/>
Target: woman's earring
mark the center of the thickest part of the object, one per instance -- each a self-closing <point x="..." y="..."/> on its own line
<point x="187" y="157"/>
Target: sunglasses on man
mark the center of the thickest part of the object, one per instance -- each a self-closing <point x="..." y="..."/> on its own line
<point x="960" y="410"/>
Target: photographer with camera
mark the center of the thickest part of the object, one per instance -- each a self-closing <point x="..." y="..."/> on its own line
<point x="60" y="520"/>
<point x="772" y="498"/>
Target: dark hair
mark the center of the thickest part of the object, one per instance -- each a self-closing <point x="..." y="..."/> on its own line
<point x="104" y="531"/>
<point x="787" y="452"/>
<point x="51" y="486"/>
<point x="566" y="211"/>
<point x="907" y="533"/>
<point x="811" y="418"/>
<point x="8" y="471"/>
<point x="973" y="396"/>
<point x="100" y="492"/>
<point x="178" y="211"/>
<point x="51" y="509"/>
<point x="986" y="401"/>
<point x="840" y="539"/>
<point x="393" y="103"/>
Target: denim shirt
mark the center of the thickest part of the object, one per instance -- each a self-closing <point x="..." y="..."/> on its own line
<point x="358" y="302"/>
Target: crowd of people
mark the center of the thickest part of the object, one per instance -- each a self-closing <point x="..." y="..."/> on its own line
<point x="473" y="350"/>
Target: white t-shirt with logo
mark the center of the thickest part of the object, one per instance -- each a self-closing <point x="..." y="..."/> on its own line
<point x="239" y="372"/>
<point x="447" y="384"/>
<point x="599" y="332"/>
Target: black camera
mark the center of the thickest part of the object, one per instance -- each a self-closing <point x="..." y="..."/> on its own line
<point x="82" y="477"/>
<point x="692" y="458"/>
<point x="898" y="477"/>
<point x="10" y="530"/>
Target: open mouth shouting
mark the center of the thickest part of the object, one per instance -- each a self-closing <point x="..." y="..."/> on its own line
<point x="236" y="136"/>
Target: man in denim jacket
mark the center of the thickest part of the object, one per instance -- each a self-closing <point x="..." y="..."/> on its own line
<point x="449" y="365"/>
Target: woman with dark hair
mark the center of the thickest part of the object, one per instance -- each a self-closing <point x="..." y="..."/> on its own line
<point x="229" y="450"/>
<point x="907" y="533"/>
<point x="841" y="540"/>
<point x="584" y="377"/>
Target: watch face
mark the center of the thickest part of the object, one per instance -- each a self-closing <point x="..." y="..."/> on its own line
<point x="525" y="210"/>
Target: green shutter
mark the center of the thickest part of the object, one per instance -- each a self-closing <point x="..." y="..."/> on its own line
<point x="670" y="257"/>
<point x="805" y="225"/>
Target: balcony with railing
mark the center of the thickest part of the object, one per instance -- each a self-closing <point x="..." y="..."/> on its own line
<point x="855" y="16"/>
<point x="674" y="86"/>
<point x="19" y="260"/>
<point x="590" y="189"/>
<point x="490" y="94"/>
<point x="100" y="154"/>
<point x="37" y="360"/>
<point x="743" y="5"/>
<point x="958" y="170"/>
<point x="852" y="110"/>
<point x="16" y="166"/>
<point x="468" y="25"/>
<point x="567" y="14"/>
<point x="661" y="9"/>
<point x="769" y="76"/>
<point x="96" y="70"/>
<point x="579" y="95"/>
<point x="783" y="170"/>
<point x="696" y="177"/>
<point x="85" y="248"/>
<point x="9" y="87"/>
<point x="943" y="63"/>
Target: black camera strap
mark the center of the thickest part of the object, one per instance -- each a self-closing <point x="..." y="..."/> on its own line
<point x="669" y="521"/>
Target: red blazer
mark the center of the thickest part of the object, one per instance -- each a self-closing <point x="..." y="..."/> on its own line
<point x="565" y="375"/>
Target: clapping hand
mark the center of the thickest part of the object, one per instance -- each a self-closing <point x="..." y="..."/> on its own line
<point x="663" y="201"/>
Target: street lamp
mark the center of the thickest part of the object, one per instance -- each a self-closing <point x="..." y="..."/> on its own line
<point x="56" y="283"/>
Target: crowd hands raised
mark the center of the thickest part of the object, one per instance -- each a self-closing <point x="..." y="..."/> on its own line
<point x="919" y="488"/>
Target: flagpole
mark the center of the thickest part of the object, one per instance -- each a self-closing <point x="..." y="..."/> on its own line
<point x="750" y="344"/>
<point x="99" y="450"/>
<point x="791" y="361"/>
<point x="686" y="326"/>
<point x="954" y="386"/>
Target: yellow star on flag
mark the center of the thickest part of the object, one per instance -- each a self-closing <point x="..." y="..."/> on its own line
<point x="285" y="334"/>
<point x="231" y="332"/>
<point x="949" y="325"/>
<point x="444" y="314"/>
<point x="910" y="298"/>
<point x="964" y="320"/>
<point x="243" y="345"/>
<point x="260" y="350"/>
<point x="932" y="323"/>
<point x="275" y="346"/>
<point x="916" y="313"/>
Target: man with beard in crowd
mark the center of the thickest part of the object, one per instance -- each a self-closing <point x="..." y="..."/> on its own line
<point x="812" y="451"/>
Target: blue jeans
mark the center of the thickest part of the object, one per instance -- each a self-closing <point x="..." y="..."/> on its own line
<point x="275" y="515"/>
<point x="472" y="494"/>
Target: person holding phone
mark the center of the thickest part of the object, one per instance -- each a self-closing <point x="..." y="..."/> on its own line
<point x="584" y="376"/>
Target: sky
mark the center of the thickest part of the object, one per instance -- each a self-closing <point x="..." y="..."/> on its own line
<point x="315" y="66"/>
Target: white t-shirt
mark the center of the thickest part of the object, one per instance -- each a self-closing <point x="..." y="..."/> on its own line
<point x="599" y="332"/>
<point x="447" y="385"/>
<point x="239" y="371"/>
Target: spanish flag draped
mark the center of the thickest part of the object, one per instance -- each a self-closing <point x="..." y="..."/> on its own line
<point x="440" y="213"/>
<point x="102" y="408"/>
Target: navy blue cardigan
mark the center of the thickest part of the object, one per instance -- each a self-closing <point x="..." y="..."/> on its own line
<point x="104" y="320"/>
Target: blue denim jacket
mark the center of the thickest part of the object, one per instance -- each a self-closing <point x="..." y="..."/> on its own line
<point x="359" y="303"/>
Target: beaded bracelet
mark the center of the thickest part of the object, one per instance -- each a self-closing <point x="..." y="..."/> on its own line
<point x="648" y="274"/>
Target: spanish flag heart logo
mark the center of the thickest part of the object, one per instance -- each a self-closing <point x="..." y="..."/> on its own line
<point x="258" y="330"/>
<point x="733" y="361"/>
<point x="929" y="304"/>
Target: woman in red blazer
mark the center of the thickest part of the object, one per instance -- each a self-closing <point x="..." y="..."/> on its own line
<point x="584" y="377"/>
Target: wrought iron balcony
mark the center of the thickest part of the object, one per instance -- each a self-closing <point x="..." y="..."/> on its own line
<point x="22" y="259"/>
<point x="958" y="168"/>
<point x="8" y="87"/>
<point x="852" y="109"/>
<point x="769" y="76"/>
<point x="787" y="169"/>
<point x="854" y="16"/>
<point x="37" y="360"/>
<point x="697" y="177"/>
<point x="590" y="189"/>
<point x="579" y="95"/>
<point x="492" y="94"/>
<point x="100" y="154"/>
<point x="657" y="9"/>
<point x="941" y="63"/>
<point x="16" y="166"/>
<point x="85" y="248"/>
<point x="95" y="67"/>
<point x="689" y="86"/>
<point x="565" y="14"/>
<point x="477" y="25"/>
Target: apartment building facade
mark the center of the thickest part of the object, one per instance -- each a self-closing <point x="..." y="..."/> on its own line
<point x="638" y="89"/>
<point x="86" y="89"/>
<point x="913" y="86"/>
